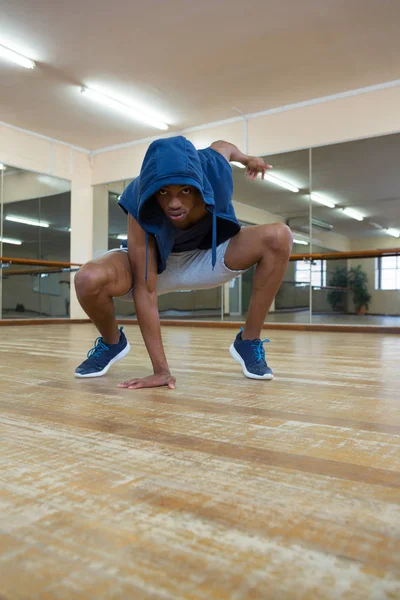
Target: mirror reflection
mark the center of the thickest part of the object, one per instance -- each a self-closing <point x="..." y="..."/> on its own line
<point x="35" y="226"/>
<point x="337" y="198"/>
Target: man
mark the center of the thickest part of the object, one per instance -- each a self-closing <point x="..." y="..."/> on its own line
<point x="182" y="234"/>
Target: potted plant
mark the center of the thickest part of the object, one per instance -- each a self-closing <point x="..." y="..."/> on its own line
<point x="337" y="297"/>
<point x="358" y="281"/>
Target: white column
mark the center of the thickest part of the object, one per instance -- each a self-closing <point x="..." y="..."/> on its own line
<point x="100" y="220"/>
<point x="89" y="224"/>
<point x="82" y="222"/>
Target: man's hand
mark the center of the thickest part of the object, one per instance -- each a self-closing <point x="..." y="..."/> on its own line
<point x="155" y="380"/>
<point x="255" y="166"/>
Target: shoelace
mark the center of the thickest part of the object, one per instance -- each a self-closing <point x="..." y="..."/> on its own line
<point x="258" y="348"/>
<point x="98" y="348"/>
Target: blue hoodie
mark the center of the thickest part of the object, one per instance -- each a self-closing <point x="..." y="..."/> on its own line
<point x="175" y="161"/>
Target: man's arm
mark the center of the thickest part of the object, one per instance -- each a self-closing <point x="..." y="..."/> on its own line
<point x="254" y="164"/>
<point x="145" y="298"/>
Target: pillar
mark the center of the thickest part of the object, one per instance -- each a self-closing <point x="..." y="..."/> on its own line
<point x="89" y="222"/>
<point x="100" y="220"/>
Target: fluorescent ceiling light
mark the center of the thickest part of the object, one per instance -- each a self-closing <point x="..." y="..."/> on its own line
<point x="322" y="200"/>
<point x="122" y="236"/>
<point x="394" y="232"/>
<point x="280" y="182"/>
<point x="302" y="242"/>
<point x="10" y="241"/>
<point x="353" y="214"/>
<point x="26" y="221"/>
<point x="272" y="179"/>
<point x="16" y="57"/>
<point x="2" y="167"/>
<point x="124" y="108"/>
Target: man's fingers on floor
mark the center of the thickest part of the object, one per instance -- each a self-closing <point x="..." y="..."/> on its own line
<point x="127" y="383"/>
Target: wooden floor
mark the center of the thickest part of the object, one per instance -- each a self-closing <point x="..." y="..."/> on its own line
<point x="222" y="489"/>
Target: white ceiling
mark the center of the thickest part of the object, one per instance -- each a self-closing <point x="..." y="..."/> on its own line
<point x="187" y="62"/>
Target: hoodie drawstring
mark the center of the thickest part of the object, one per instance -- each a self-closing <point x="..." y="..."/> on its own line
<point x="214" y="238"/>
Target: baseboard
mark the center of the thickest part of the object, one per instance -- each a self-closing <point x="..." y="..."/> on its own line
<point x="275" y="326"/>
<point x="219" y="324"/>
<point x="61" y="321"/>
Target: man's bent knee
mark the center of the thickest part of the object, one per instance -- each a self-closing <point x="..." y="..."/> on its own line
<point x="89" y="279"/>
<point x="278" y="238"/>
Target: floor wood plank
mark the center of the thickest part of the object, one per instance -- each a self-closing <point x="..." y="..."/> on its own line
<point x="224" y="488"/>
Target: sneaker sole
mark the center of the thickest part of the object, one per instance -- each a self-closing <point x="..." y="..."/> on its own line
<point x="123" y="353"/>
<point x="240" y="360"/>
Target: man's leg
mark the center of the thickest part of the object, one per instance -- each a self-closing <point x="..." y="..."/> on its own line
<point x="96" y="284"/>
<point x="269" y="247"/>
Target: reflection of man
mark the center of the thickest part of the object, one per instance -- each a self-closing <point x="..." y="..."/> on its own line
<point x="182" y="234"/>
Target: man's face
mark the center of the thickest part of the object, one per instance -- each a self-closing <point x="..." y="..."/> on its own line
<point x="177" y="201"/>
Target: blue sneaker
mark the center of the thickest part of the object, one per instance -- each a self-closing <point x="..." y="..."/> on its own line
<point x="102" y="356"/>
<point x="251" y="355"/>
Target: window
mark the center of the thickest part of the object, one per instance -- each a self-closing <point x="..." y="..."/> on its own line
<point x="318" y="272"/>
<point x="387" y="273"/>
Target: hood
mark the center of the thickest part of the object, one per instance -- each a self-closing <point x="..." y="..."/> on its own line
<point x="169" y="161"/>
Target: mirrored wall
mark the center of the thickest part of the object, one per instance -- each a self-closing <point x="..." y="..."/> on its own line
<point x="337" y="198"/>
<point x="360" y="182"/>
<point x="35" y="225"/>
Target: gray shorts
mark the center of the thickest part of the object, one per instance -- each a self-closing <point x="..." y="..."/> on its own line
<point x="191" y="271"/>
